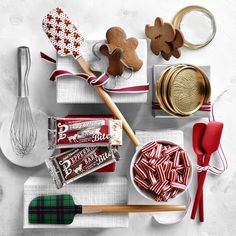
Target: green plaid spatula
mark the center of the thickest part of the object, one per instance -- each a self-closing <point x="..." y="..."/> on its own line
<point x="61" y="209"/>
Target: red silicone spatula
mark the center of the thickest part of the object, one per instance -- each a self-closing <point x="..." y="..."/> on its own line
<point x="210" y="143"/>
<point x="67" y="40"/>
<point x="197" y="136"/>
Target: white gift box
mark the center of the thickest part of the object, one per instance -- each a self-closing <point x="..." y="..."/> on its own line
<point x="159" y="113"/>
<point x="175" y="136"/>
<point x="71" y="89"/>
<point x="89" y="190"/>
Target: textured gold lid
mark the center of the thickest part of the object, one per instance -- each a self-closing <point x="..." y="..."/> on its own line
<point x="186" y="90"/>
<point x="165" y="96"/>
<point x="182" y="89"/>
<point x="159" y="85"/>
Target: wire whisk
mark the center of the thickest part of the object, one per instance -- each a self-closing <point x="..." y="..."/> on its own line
<point x="23" y="131"/>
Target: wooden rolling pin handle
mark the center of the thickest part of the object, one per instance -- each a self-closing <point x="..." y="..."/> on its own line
<point x="130" y="208"/>
<point x="109" y="103"/>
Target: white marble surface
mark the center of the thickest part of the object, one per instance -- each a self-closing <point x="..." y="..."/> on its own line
<point x="20" y="24"/>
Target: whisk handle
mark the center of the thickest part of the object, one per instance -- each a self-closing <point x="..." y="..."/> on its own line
<point x="24" y="62"/>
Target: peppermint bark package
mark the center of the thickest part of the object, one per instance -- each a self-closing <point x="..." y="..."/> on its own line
<point x="83" y="132"/>
<point x="73" y="164"/>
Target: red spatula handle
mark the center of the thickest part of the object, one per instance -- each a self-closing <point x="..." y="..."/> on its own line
<point x="200" y="187"/>
<point x="201" y="206"/>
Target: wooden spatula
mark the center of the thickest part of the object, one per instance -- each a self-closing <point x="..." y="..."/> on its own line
<point x="67" y="41"/>
<point x="61" y="209"/>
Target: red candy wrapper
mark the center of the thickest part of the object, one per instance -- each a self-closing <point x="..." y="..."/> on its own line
<point x="83" y="132"/>
<point x="112" y="166"/>
<point x="73" y="164"/>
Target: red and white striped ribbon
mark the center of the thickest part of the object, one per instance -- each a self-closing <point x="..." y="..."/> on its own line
<point x="205" y="106"/>
<point x="95" y="81"/>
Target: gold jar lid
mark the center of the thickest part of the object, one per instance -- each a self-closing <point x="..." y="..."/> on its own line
<point x="197" y="25"/>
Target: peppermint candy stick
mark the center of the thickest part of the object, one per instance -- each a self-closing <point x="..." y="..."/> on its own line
<point x="178" y="186"/>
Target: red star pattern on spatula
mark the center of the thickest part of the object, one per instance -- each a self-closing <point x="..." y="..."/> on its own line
<point x="49" y="35"/>
<point x="66" y="51"/>
<point x="62" y="33"/>
<point x="58" y="48"/>
<point x="75" y="54"/>
<point x="66" y="41"/>
<point x="58" y="20"/>
<point x="67" y="22"/>
<point x="76" y="35"/>
<point x="58" y="29"/>
<point x="76" y="44"/>
<point x="59" y="10"/>
<point x="57" y="38"/>
<point x="49" y="17"/>
<point x="67" y="32"/>
<point x="49" y="26"/>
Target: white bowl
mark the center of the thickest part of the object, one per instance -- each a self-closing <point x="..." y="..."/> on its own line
<point x="147" y="193"/>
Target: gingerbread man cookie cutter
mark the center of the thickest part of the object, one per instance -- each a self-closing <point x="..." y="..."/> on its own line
<point x="109" y="62"/>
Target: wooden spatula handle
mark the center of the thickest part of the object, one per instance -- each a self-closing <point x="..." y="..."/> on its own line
<point x="131" y="208"/>
<point x="109" y="103"/>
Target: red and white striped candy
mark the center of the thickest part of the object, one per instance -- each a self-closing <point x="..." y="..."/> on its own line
<point x="176" y="159"/>
<point x="158" y="151"/>
<point x="166" y="188"/>
<point x="173" y="175"/>
<point x="165" y="165"/>
<point x="149" y="147"/>
<point x="145" y="163"/>
<point x="178" y="185"/>
<point x="161" y="173"/>
<point x="154" y="186"/>
<point x="166" y="196"/>
<point x="152" y="161"/>
<point x="171" y="150"/>
<point x="179" y="168"/>
<point x="185" y="159"/>
<point x="163" y="149"/>
<point x="160" y="188"/>
<point x="140" y="157"/>
<point x="140" y="171"/>
<point x="180" y="178"/>
<point x="151" y="177"/>
<point x="158" y="198"/>
<point x="186" y="175"/>
<point x="152" y="153"/>
<point x="174" y="193"/>
<point x="169" y="167"/>
<point x="162" y="160"/>
<point x="146" y="154"/>
<point x="141" y="182"/>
